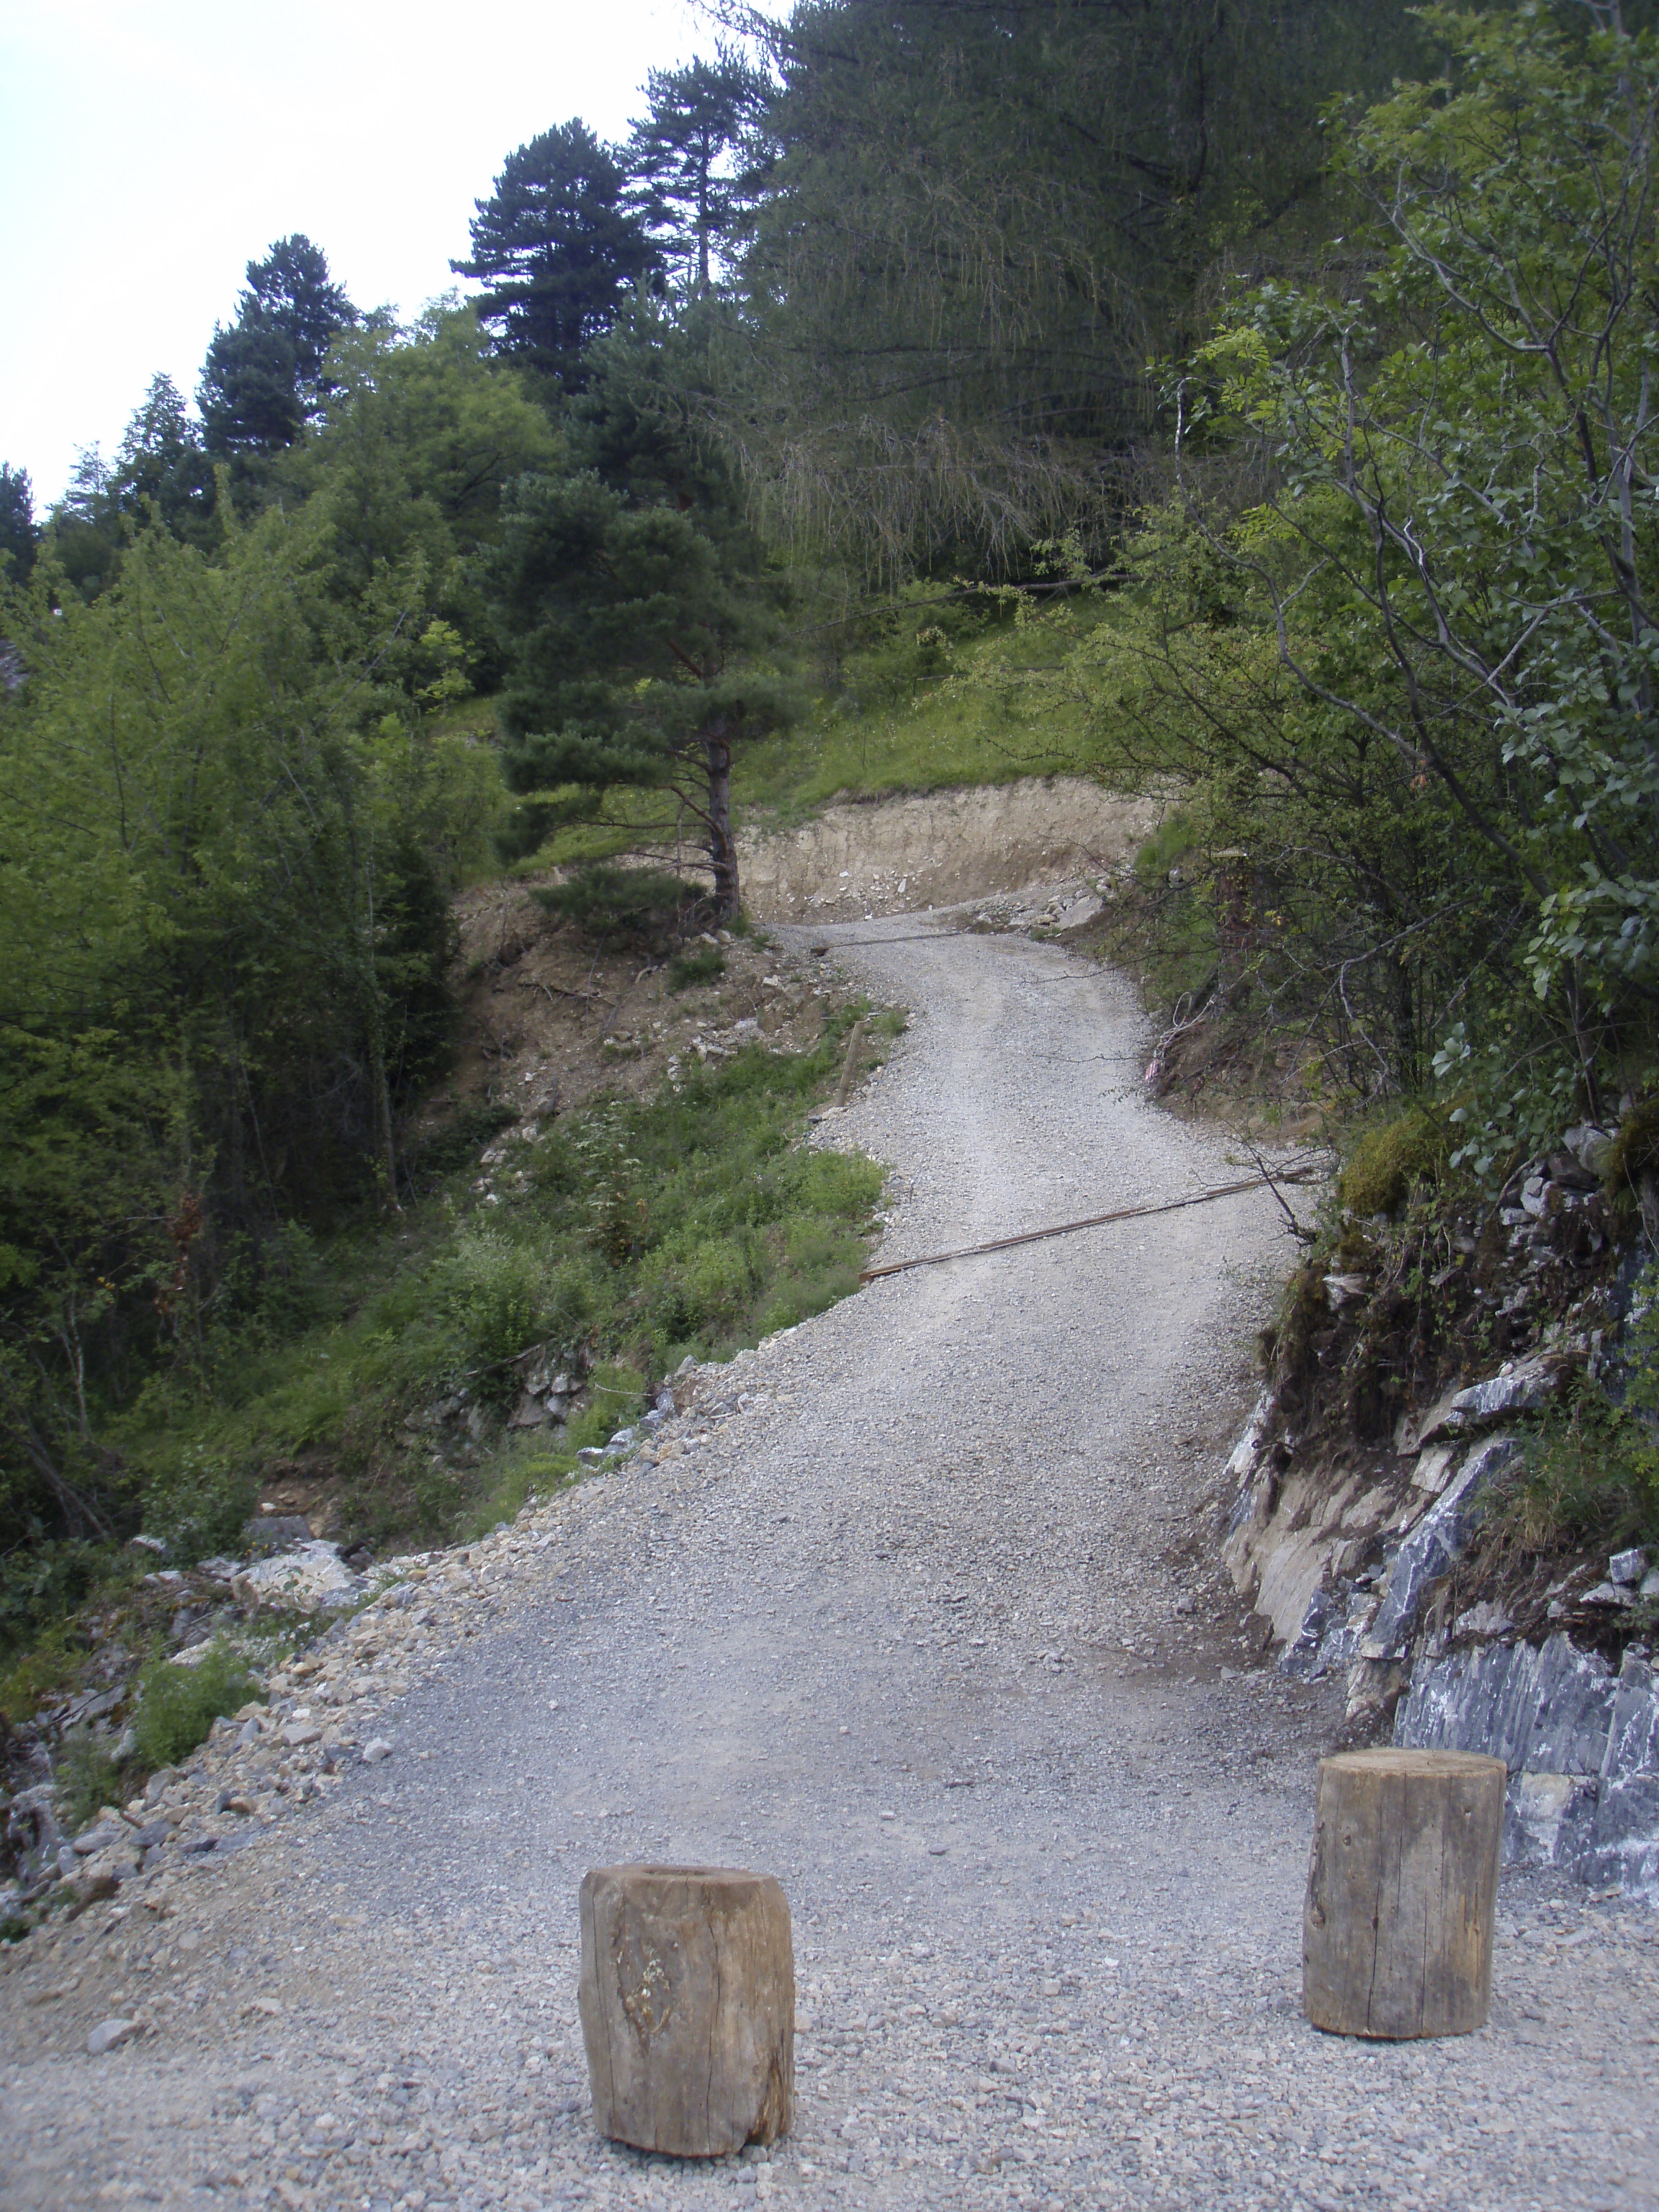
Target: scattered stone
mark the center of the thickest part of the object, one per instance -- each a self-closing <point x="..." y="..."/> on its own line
<point x="1613" y="1594"/>
<point x="276" y="1532"/>
<point x="297" y="1733"/>
<point x="1627" y="1566"/>
<point x="376" y="1750"/>
<point x="109" y="2035"/>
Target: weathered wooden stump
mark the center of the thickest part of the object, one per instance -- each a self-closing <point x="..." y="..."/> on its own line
<point x="1396" y="1933"/>
<point x="688" y="2006"/>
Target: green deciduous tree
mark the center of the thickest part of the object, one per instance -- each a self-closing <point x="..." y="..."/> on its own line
<point x="1433" y="633"/>
<point x="419" y="432"/>
<point x="226" y="835"/>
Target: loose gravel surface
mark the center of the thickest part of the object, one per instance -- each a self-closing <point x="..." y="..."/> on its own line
<point x="904" y="1611"/>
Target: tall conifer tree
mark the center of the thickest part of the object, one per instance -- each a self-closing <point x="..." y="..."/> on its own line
<point x="688" y="157"/>
<point x="558" y="251"/>
<point x="265" y="378"/>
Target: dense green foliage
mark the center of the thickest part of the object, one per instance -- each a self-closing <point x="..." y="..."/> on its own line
<point x="633" y="1234"/>
<point x="982" y="223"/>
<point x="228" y="829"/>
<point x="1392" y="631"/>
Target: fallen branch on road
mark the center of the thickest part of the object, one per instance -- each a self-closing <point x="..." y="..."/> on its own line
<point x="1091" y="1221"/>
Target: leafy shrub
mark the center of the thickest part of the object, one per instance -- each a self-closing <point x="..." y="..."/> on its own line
<point x="87" y="1776"/>
<point x="458" y="1143"/>
<point x="1389" y="1159"/>
<point x="496" y="1294"/>
<point x="178" y="1706"/>
<point x="197" y="1506"/>
<point x="45" y="1583"/>
<point x="701" y="966"/>
<point x="843" y="1184"/>
<point x="1174" y="838"/>
<point x="1592" y="1474"/>
<point x="637" y="905"/>
<point x="618" y="1208"/>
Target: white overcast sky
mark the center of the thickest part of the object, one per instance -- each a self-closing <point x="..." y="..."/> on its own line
<point x="148" y="149"/>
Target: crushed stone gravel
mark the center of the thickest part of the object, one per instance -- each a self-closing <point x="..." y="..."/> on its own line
<point x="913" y="1607"/>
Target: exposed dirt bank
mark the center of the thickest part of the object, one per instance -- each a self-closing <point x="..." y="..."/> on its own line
<point x="939" y="848"/>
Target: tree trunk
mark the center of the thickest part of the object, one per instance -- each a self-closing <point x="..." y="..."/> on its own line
<point x="722" y="847"/>
<point x="1397" y="1929"/>
<point x="688" y="2007"/>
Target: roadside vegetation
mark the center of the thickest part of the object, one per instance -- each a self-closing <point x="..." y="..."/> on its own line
<point x="621" y="1240"/>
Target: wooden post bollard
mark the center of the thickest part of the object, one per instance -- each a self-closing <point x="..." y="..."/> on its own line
<point x="688" y="2006"/>
<point x="1396" y="1932"/>
<point x="850" y="1065"/>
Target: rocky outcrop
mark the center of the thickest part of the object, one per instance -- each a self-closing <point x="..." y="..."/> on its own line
<point x="1581" y="1743"/>
<point x="1368" y="1561"/>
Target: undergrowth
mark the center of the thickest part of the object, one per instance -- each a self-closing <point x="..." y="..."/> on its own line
<point x="624" y="1238"/>
<point x="178" y="1706"/>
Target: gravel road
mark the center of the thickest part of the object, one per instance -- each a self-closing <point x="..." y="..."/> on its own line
<point x="910" y="1615"/>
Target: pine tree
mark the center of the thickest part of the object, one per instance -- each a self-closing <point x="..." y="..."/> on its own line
<point x="558" y="251"/>
<point x="163" y="462"/>
<point x="19" y="533"/>
<point x="686" y="157"/>
<point x="265" y="378"/>
<point x="636" y="612"/>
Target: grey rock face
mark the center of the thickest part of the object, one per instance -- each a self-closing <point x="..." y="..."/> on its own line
<point x="1437" y="1542"/>
<point x="1542" y="1710"/>
<point x="1332" y="1631"/>
<point x="1581" y="1747"/>
<point x="1624" y="1842"/>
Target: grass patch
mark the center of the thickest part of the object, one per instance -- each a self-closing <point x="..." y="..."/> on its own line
<point x="975" y="691"/>
<point x="178" y="1706"/>
<point x="626" y="1237"/>
<point x="703" y="965"/>
<point x="87" y="1776"/>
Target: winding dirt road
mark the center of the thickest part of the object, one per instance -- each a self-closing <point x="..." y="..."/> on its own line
<point x="914" y="1621"/>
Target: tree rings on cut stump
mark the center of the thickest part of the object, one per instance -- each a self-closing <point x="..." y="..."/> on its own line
<point x="688" y="2006"/>
<point x="1397" y="1930"/>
